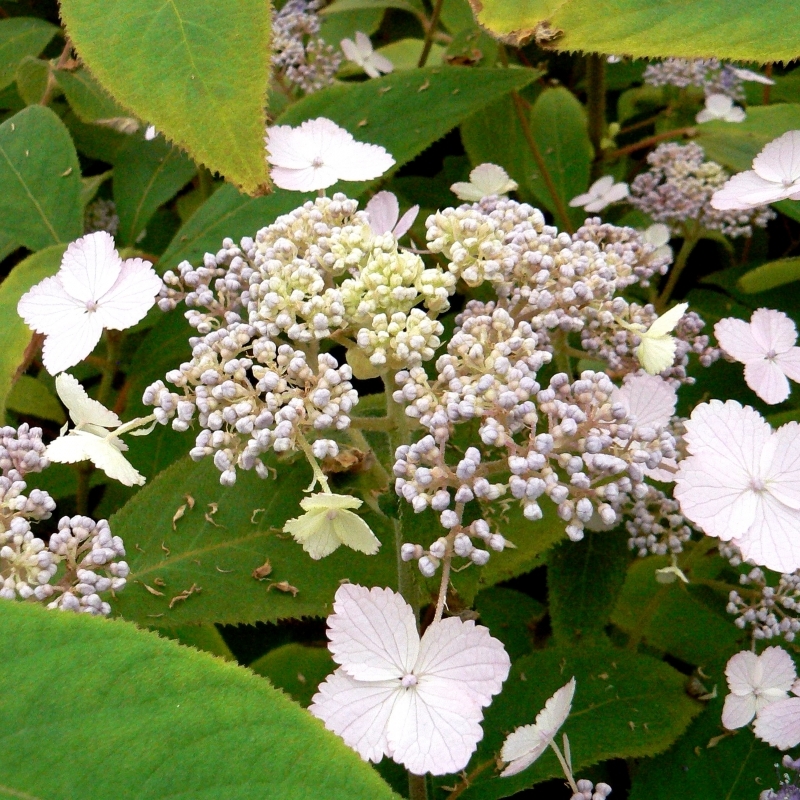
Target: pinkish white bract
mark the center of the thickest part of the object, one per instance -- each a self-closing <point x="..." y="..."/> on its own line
<point x="319" y="153"/>
<point x="384" y="215"/>
<point x="418" y="701"/>
<point x="742" y="482"/>
<point x="603" y="192"/>
<point x="766" y="347"/>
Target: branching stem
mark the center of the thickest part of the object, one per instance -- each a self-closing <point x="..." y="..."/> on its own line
<point x="433" y="24"/>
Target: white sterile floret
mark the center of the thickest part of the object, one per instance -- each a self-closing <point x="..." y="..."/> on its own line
<point x="656" y="351"/>
<point x="766" y="347"/>
<point x="328" y="523"/>
<point x="720" y="107"/>
<point x="319" y="153"/>
<point x="775" y="176"/>
<point x="94" y="289"/>
<point x="658" y="235"/>
<point x="755" y="682"/>
<point x="362" y="53"/>
<point x="484" y="181"/>
<point x="748" y="75"/>
<point x="418" y="701"/>
<point x="779" y="723"/>
<point x="603" y="192"/>
<point x="383" y="211"/>
<point x="741" y="482"/>
<point x="526" y="744"/>
<point x="92" y="438"/>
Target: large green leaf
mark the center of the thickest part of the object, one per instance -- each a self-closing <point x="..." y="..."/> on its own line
<point x="32" y="398"/>
<point x="626" y="705"/>
<point x="395" y="111"/>
<point x="40" y="200"/>
<point x="165" y="721"/>
<point x="770" y="275"/>
<point x="86" y="96"/>
<point x="581" y="600"/>
<point x="296" y="668"/>
<point x="20" y="37"/>
<point x="746" y="30"/>
<point x="707" y="763"/>
<point x="146" y="174"/>
<point x="17" y="335"/>
<point x="217" y="550"/>
<point x="201" y="70"/>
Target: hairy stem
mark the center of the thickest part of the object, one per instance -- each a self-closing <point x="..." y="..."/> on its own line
<point x="565" y="766"/>
<point x="690" y="240"/>
<point x="433" y="24"/>
<point x="417" y="787"/>
<point x="443" y="587"/>
<point x="558" y="204"/>
<point x="109" y="369"/>
<point x="465" y="782"/>
<point x="50" y="88"/>
<point x="596" y="107"/>
<point x="648" y="142"/>
<point x="319" y="475"/>
<point x="84" y="471"/>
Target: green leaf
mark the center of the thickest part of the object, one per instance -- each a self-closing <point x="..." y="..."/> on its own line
<point x="91" y="185"/>
<point x="202" y="71"/>
<point x="738" y="30"/>
<point x="770" y="275"/>
<point x="511" y="617"/>
<point x="558" y="125"/>
<point x="669" y="618"/>
<point x="17" y="335"/>
<point x="457" y="16"/>
<point x="337" y="7"/>
<point x="626" y="706"/>
<point x="217" y="551"/>
<point x="227" y="213"/>
<point x="583" y="581"/>
<point x="371" y="110"/>
<point x="20" y="37"/>
<point x="40" y="204"/>
<point x="735" y="146"/>
<point x="204" y="637"/>
<point x="166" y="721"/>
<point x="297" y="669"/>
<point x="707" y="763"/>
<point x="86" y="96"/>
<point x="146" y="174"/>
<point x="32" y="77"/>
<point x="336" y="27"/>
<point x="405" y="53"/>
<point x="31" y="397"/>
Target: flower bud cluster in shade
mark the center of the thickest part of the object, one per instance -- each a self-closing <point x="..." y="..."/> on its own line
<point x="318" y="273"/>
<point x="707" y="74"/>
<point x="29" y="566"/>
<point x="101" y="215"/>
<point x="770" y="610"/>
<point x="300" y="55"/>
<point x="677" y="189"/>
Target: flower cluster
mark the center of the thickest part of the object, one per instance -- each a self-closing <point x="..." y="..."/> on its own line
<point x="101" y="215"/>
<point x="789" y="788"/>
<point x="299" y="55"/>
<point x="707" y="74"/>
<point x="29" y="566"/>
<point x="678" y="187"/>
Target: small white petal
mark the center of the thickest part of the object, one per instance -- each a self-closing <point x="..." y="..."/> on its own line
<point x="127" y="302"/>
<point x="82" y="408"/>
<point x="82" y="446"/>
<point x="90" y="266"/>
<point x="779" y="724"/>
<point x="650" y="400"/>
<point x="383" y="210"/>
<point x="65" y="349"/>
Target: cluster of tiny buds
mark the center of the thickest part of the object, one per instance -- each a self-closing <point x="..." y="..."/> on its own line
<point x="788" y="788"/>
<point x="459" y="542"/>
<point x="656" y="526"/>
<point x="101" y="215"/>
<point x="588" y="791"/>
<point x="87" y="550"/>
<point x="770" y="611"/>
<point x="704" y="73"/>
<point x="21" y="452"/>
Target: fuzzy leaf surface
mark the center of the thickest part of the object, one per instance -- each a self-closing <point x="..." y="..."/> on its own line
<point x="296" y="668"/>
<point x="217" y="551"/>
<point x="202" y="71"/>
<point x="167" y="721"/>
<point x="40" y="201"/>
<point x="746" y="30"/>
<point x="20" y="37"/>
<point x="770" y="275"/>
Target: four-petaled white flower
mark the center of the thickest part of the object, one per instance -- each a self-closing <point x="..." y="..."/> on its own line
<point x="775" y="176"/>
<point x="755" y="682"/>
<point x="526" y="744"/>
<point x="748" y="75"/>
<point x="741" y="482"/>
<point x="93" y="290"/>
<point x="384" y="215"/>
<point x="766" y="347"/>
<point x="362" y="53"/>
<point x="721" y="107"/>
<point x="656" y="350"/>
<point x="603" y="192"/>
<point x="419" y="702"/>
<point x="319" y="153"/>
<point x="93" y="437"/>
<point x="328" y="523"/>
<point x="658" y="235"/>
<point x="484" y="181"/>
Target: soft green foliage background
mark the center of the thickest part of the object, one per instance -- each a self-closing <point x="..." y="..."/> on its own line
<point x="165" y="720"/>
